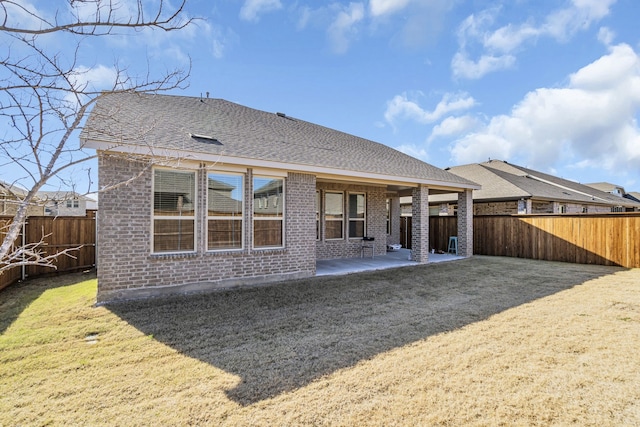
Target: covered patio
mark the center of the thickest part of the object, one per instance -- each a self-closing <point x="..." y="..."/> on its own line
<point x="400" y="258"/>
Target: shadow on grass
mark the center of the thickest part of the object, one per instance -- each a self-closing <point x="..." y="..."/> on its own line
<point x="18" y="296"/>
<point x="280" y="338"/>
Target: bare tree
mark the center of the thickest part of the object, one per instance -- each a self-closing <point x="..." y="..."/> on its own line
<point x="45" y="94"/>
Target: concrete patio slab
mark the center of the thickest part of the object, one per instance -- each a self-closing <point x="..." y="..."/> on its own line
<point x="400" y="258"/>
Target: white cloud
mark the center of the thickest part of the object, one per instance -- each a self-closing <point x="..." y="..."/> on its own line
<point x="344" y="27"/>
<point x="419" y="152"/>
<point x="498" y="47"/>
<point x="304" y="17"/>
<point x="564" y="23"/>
<point x="606" y="36"/>
<point x="22" y="14"/>
<point x="474" y="27"/>
<point x="408" y="23"/>
<point x="464" y="67"/>
<point x="608" y="71"/>
<point x="509" y="37"/>
<point x="591" y="121"/>
<point x="401" y="107"/>
<point x="252" y="9"/>
<point x="95" y="79"/>
<point x="452" y="126"/>
<point x="221" y="41"/>
<point x="386" y="7"/>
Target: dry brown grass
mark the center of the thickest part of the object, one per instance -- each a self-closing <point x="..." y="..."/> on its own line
<point x="512" y="342"/>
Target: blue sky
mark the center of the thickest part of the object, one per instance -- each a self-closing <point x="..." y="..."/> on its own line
<point x="550" y="85"/>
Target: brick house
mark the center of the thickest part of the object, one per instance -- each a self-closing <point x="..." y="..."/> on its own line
<point x="511" y="189"/>
<point x="200" y="194"/>
<point x="63" y="203"/>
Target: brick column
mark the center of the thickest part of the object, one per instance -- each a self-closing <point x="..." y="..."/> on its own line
<point x="465" y="223"/>
<point x="420" y="225"/>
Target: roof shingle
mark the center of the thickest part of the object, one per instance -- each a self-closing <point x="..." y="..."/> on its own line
<point x="163" y="121"/>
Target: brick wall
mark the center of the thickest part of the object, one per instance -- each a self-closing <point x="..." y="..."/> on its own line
<point x="127" y="269"/>
<point x="465" y="223"/>
<point x="376" y="223"/>
<point x="420" y="225"/>
<point x="496" y="208"/>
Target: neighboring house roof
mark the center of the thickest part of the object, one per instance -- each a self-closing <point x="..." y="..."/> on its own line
<point x="11" y="189"/>
<point x="606" y="187"/>
<point x="633" y="195"/>
<point x="503" y="181"/>
<point x="219" y="131"/>
<point x="57" y="196"/>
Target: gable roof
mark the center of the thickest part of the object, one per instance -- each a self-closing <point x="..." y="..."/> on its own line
<point x="607" y="187"/>
<point x="215" y="130"/>
<point x="504" y="181"/>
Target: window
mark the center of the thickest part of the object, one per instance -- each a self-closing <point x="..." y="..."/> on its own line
<point x="173" y="211"/>
<point x="333" y="216"/>
<point x="268" y="215"/>
<point x="357" y="215"/>
<point x="224" y="211"/>
<point x="72" y="203"/>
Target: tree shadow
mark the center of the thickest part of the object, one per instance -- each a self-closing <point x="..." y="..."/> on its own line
<point x="15" y="298"/>
<point x="282" y="337"/>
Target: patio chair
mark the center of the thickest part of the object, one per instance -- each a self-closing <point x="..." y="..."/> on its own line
<point x="368" y="243"/>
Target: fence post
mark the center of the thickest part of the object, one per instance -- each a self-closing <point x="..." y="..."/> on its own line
<point x="23" y="268"/>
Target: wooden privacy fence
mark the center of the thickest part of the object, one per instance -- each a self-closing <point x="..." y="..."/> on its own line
<point x="440" y="229"/>
<point x="61" y="233"/>
<point x="606" y="239"/>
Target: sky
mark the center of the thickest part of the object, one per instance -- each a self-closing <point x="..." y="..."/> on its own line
<point x="549" y="85"/>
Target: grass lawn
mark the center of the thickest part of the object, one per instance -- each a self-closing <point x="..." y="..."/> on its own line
<point x="507" y="342"/>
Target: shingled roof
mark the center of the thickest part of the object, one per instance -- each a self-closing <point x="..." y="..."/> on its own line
<point x="504" y="181"/>
<point x="222" y="131"/>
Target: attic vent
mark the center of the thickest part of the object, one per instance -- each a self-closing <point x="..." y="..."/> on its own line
<point x="284" y="116"/>
<point x="205" y="139"/>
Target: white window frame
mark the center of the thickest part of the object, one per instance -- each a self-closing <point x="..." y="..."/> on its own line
<point x="229" y="217"/>
<point x="341" y="220"/>
<point x="363" y="219"/>
<point x="174" y="217"/>
<point x="318" y="204"/>
<point x="264" y="205"/>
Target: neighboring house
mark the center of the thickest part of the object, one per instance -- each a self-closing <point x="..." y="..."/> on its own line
<point x="607" y="187"/>
<point x="10" y="198"/>
<point x="199" y="194"/>
<point x="63" y="203"/>
<point x="512" y="189"/>
<point x="616" y="190"/>
<point x="92" y="201"/>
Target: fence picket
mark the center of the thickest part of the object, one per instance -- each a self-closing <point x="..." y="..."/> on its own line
<point x="61" y="233"/>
